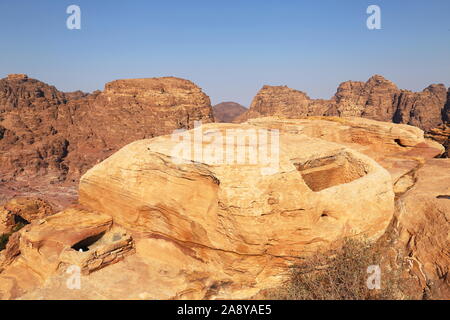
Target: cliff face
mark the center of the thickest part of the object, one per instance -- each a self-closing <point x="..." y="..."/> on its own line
<point x="129" y="110"/>
<point x="377" y="99"/>
<point x="285" y="102"/>
<point x="29" y="139"/>
<point x="423" y="109"/>
<point x="56" y="135"/>
<point x="446" y="113"/>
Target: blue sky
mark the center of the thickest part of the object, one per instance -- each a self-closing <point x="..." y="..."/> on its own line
<point x="229" y="48"/>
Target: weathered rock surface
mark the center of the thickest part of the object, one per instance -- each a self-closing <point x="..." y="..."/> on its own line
<point x="227" y="111"/>
<point x="29" y="142"/>
<point x="398" y="148"/>
<point x="377" y="99"/>
<point x="22" y="210"/>
<point x="423" y="225"/>
<point x="54" y="136"/>
<point x="285" y="102"/>
<point x="421" y="183"/>
<point x="60" y="195"/>
<point x="447" y="107"/>
<point x="203" y="228"/>
<point x="219" y="213"/>
<point x="41" y="248"/>
<point x="441" y="134"/>
<point x="423" y="109"/>
<point x="223" y="205"/>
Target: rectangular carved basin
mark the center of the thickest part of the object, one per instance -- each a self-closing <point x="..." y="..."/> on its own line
<point x="323" y="173"/>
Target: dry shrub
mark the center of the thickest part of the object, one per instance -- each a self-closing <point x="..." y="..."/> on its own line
<point x="342" y="275"/>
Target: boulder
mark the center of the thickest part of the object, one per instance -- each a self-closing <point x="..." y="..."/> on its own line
<point x="217" y="213"/>
<point x="398" y="148"/>
<point x="226" y="206"/>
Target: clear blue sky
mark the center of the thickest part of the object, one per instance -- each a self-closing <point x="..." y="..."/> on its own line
<point x="229" y="48"/>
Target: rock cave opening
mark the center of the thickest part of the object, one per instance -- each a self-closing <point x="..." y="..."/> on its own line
<point x="18" y="220"/>
<point x="399" y="142"/>
<point x="85" y="244"/>
<point x="327" y="172"/>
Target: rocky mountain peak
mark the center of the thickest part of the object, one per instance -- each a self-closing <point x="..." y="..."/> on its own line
<point x="377" y="99"/>
<point x="57" y="136"/>
<point x="228" y="111"/>
<point x="17" y="76"/>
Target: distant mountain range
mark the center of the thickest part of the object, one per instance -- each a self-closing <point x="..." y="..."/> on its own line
<point x="376" y="99"/>
<point x="227" y="111"/>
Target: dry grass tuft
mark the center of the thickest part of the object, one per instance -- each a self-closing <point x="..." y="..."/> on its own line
<point x="342" y="275"/>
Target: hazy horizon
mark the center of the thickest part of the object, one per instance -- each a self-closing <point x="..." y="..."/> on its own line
<point x="229" y="49"/>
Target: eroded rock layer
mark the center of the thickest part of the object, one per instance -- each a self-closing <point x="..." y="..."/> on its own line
<point x="423" y="224"/>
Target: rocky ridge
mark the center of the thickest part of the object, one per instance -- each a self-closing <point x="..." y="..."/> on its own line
<point x="53" y="137"/>
<point x="377" y="99"/>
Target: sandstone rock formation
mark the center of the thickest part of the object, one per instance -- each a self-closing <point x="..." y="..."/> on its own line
<point x="52" y="137"/>
<point x="200" y="228"/>
<point x="398" y="148"/>
<point x="152" y="223"/>
<point x="441" y="134"/>
<point x="377" y="99"/>
<point x="227" y="111"/>
<point x="29" y="142"/>
<point x="72" y="238"/>
<point x="422" y="222"/>
<point x="447" y="107"/>
<point x="317" y="193"/>
<point x="22" y="210"/>
<point x="421" y="227"/>
<point x="285" y="102"/>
